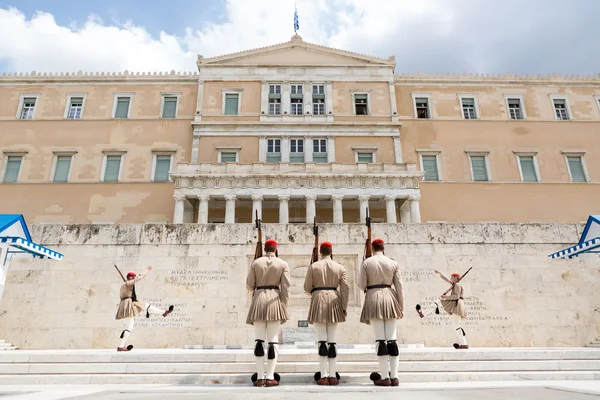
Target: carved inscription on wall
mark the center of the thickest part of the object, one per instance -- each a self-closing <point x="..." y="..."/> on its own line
<point x="198" y="278"/>
<point x="477" y="314"/>
<point x="179" y="318"/>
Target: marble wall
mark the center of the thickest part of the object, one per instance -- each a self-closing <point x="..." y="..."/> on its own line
<point x="515" y="295"/>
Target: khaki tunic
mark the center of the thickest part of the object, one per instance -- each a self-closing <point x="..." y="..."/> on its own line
<point x="268" y="304"/>
<point x="127" y="307"/>
<point x="385" y="303"/>
<point x="327" y="305"/>
<point x="454" y="304"/>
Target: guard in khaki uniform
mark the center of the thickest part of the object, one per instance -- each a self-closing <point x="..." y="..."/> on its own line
<point x="269" y="278"/>
<point x="327" y="309"/>
<point x="129" y="307"/>
<point x="379" y="276"/>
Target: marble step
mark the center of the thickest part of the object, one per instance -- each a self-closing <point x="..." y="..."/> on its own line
<point x="292" y="355"/>
<point x="294" y="367"/>
<point x="291" y="378"/>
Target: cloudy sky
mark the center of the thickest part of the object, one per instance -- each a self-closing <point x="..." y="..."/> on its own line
<point x="490" y="36"/>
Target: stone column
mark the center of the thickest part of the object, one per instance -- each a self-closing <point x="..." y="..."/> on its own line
<point x="264" y="98"/>
<point x="405" y="212"/>
<point x="257" y="206"/>
<point x="203" y="208"/>
<point x="285" y="149"/>
<point x="328" y="97"/>
<point x="285" y="98"/>
<point x="311" y="208"/>
<point x="397" y="149"/>
<point x="390" y="209"/>
<point x="364" y="204"/>
<point x="415" y="212"/>
<point x="308" y="149"/>
<point x="178" y="214"/>
<point x="284" y="212"/>
<point x="392" y="88"/>
<point x="199" y="100"/>
<point x="338" y="213"/>
<point x="230" y="209"/>
<point x="330" y="149"/>
<point x="262" y="149"/>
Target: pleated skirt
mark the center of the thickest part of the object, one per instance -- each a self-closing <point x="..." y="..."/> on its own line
<point x="128" y="309"/>
<point x="381" y="304"/>
<point x="266" y="306"/>
<point x="326" y="306"/>
<point x="455" y="307"/>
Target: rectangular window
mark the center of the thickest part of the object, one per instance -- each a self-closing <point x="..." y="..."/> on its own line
<point x="75" y="108"/>
<point x="296" y="90"/>
<point x="296" y="107"/>
<point x="169" y="107"/>
<point x="274" y="106"/>
<point x="430" y="166"/>
<point x="514" y="109"/>
<point x="320" y="150"/>
<point x="122" y="109"/>
<point x="318" y="90"/>
<point x="318" y="99"/>
<point x="361" y="104"/>
<point x="28" y="109"/>
<point x="275" y="89"/>
<point x="422" y="105"/>
<point x="468" y="108"/>
<point x="228" y="157"/>
<point x="560" y="109"/>
<point x="161" y="168"/>
<point x="273" y="150"/>
<point x="13" y="167"/>
<point x="576" y="170"/>
<point x="364" y="157"/>
<point x="62" y="168"/>
<point x="296" y="150"/>
<point x="112" y="168"/>
<point x="479" y="168"/>
<point x="528" y="170"/>
<point x="232" y="103"/>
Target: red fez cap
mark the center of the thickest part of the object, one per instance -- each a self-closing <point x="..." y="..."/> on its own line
<point x="327" y="244"/>
<point x="131" y="274"/>
<point x="271" y="242"/>
<point x="456" y="274"/>
<point x="378" y="241"/>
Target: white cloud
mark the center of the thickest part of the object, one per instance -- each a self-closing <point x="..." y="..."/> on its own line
<point x="425" y="35"/>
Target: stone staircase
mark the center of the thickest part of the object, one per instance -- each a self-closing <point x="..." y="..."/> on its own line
<point x="6" y="346"/>
<point x="594" y="343"/>
<point x="296" y="365"/>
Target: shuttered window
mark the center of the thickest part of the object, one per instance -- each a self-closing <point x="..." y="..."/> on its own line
<point x="364" y="157"/>
<point x="231" y="103"/>
<point x="122" y="110"/>
<point x="13" y="167"/>
<point x="479" y="166"/>
<point x="528" y="169"/>
<point x="430" y="168"/>
<point x="161" y="169"/>
<point x="228" y="157"/>
<point x="169" y="107"/>
<point x="576" y="169"/>
<point x="63" y="166"/>
<point x="112" y="168"/>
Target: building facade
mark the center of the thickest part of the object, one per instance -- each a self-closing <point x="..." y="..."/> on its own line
<point x="294" y="132"/>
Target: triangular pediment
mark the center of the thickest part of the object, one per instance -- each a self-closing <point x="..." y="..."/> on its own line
<point x="296" y="52"/>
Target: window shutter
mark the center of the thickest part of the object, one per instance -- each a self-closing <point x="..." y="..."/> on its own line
<point x="430" y="167"/>
<point x="122" y="107"/>
<point x="13" y="166"/>
<point x="169" y="107"/>
<point x="528" y="169"/>
<point x="63" y="165"/>
<point x="365" y="157"/>
<point x="228" y="157"/>
<point x="231" y="104"/>
<point x="576" y="168"/>
<point x="480" y="173"/>
<point x="113" y="166"/>
<point x="468" y="102"/>
<point x="161" y="170"/>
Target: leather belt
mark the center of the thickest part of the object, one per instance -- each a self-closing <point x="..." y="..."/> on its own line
<point x="323" y="288"/>
<point x="378" y="286"/>
<point x="267" y="287"/>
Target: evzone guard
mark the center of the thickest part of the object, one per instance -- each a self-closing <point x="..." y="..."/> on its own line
<point x="327" y="308"/>
<point x="269" y="279"/>
<point x="379" y="277"/>
<point x="453" y="305"/>
<point x="130" y="307"/>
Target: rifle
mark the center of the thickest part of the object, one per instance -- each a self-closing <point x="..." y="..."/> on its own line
<point x="315" y="251"/>
<point x="368" y="250"/>
<point x="122" y="277"/>
<point x="259" y="249"/>
<point x="459" y="279"/>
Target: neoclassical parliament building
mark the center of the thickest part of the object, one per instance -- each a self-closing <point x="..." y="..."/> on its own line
<point x="296" y="131"/>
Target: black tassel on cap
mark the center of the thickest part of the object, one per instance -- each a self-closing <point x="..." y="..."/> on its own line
<point x="381" y="348"/>
<point x="271" y="355"/>
<point x="323" y="349"/>
<point x="259" y="351"/>
<point x="332" y="351"/>
<point x="392" y="348"/>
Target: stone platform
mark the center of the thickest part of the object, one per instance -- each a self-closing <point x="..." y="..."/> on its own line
<point x="296" y="366"/>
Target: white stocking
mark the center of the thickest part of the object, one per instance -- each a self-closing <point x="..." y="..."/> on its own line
<point x="272" y="337"/>
<point x="457" y="322"/>
<point x="154" y="310"/>
<point x="260" y="333"/>
<point x="331" y="334"/>
<point x="430" y="309"/>
<point x="390" y="334"/>
<point x="321" y="329"/>
<point x="379" y="327"/>
<point x="127" y="328"/>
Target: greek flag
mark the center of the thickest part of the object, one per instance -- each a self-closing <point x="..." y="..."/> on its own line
<point x="296" y="25"/>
